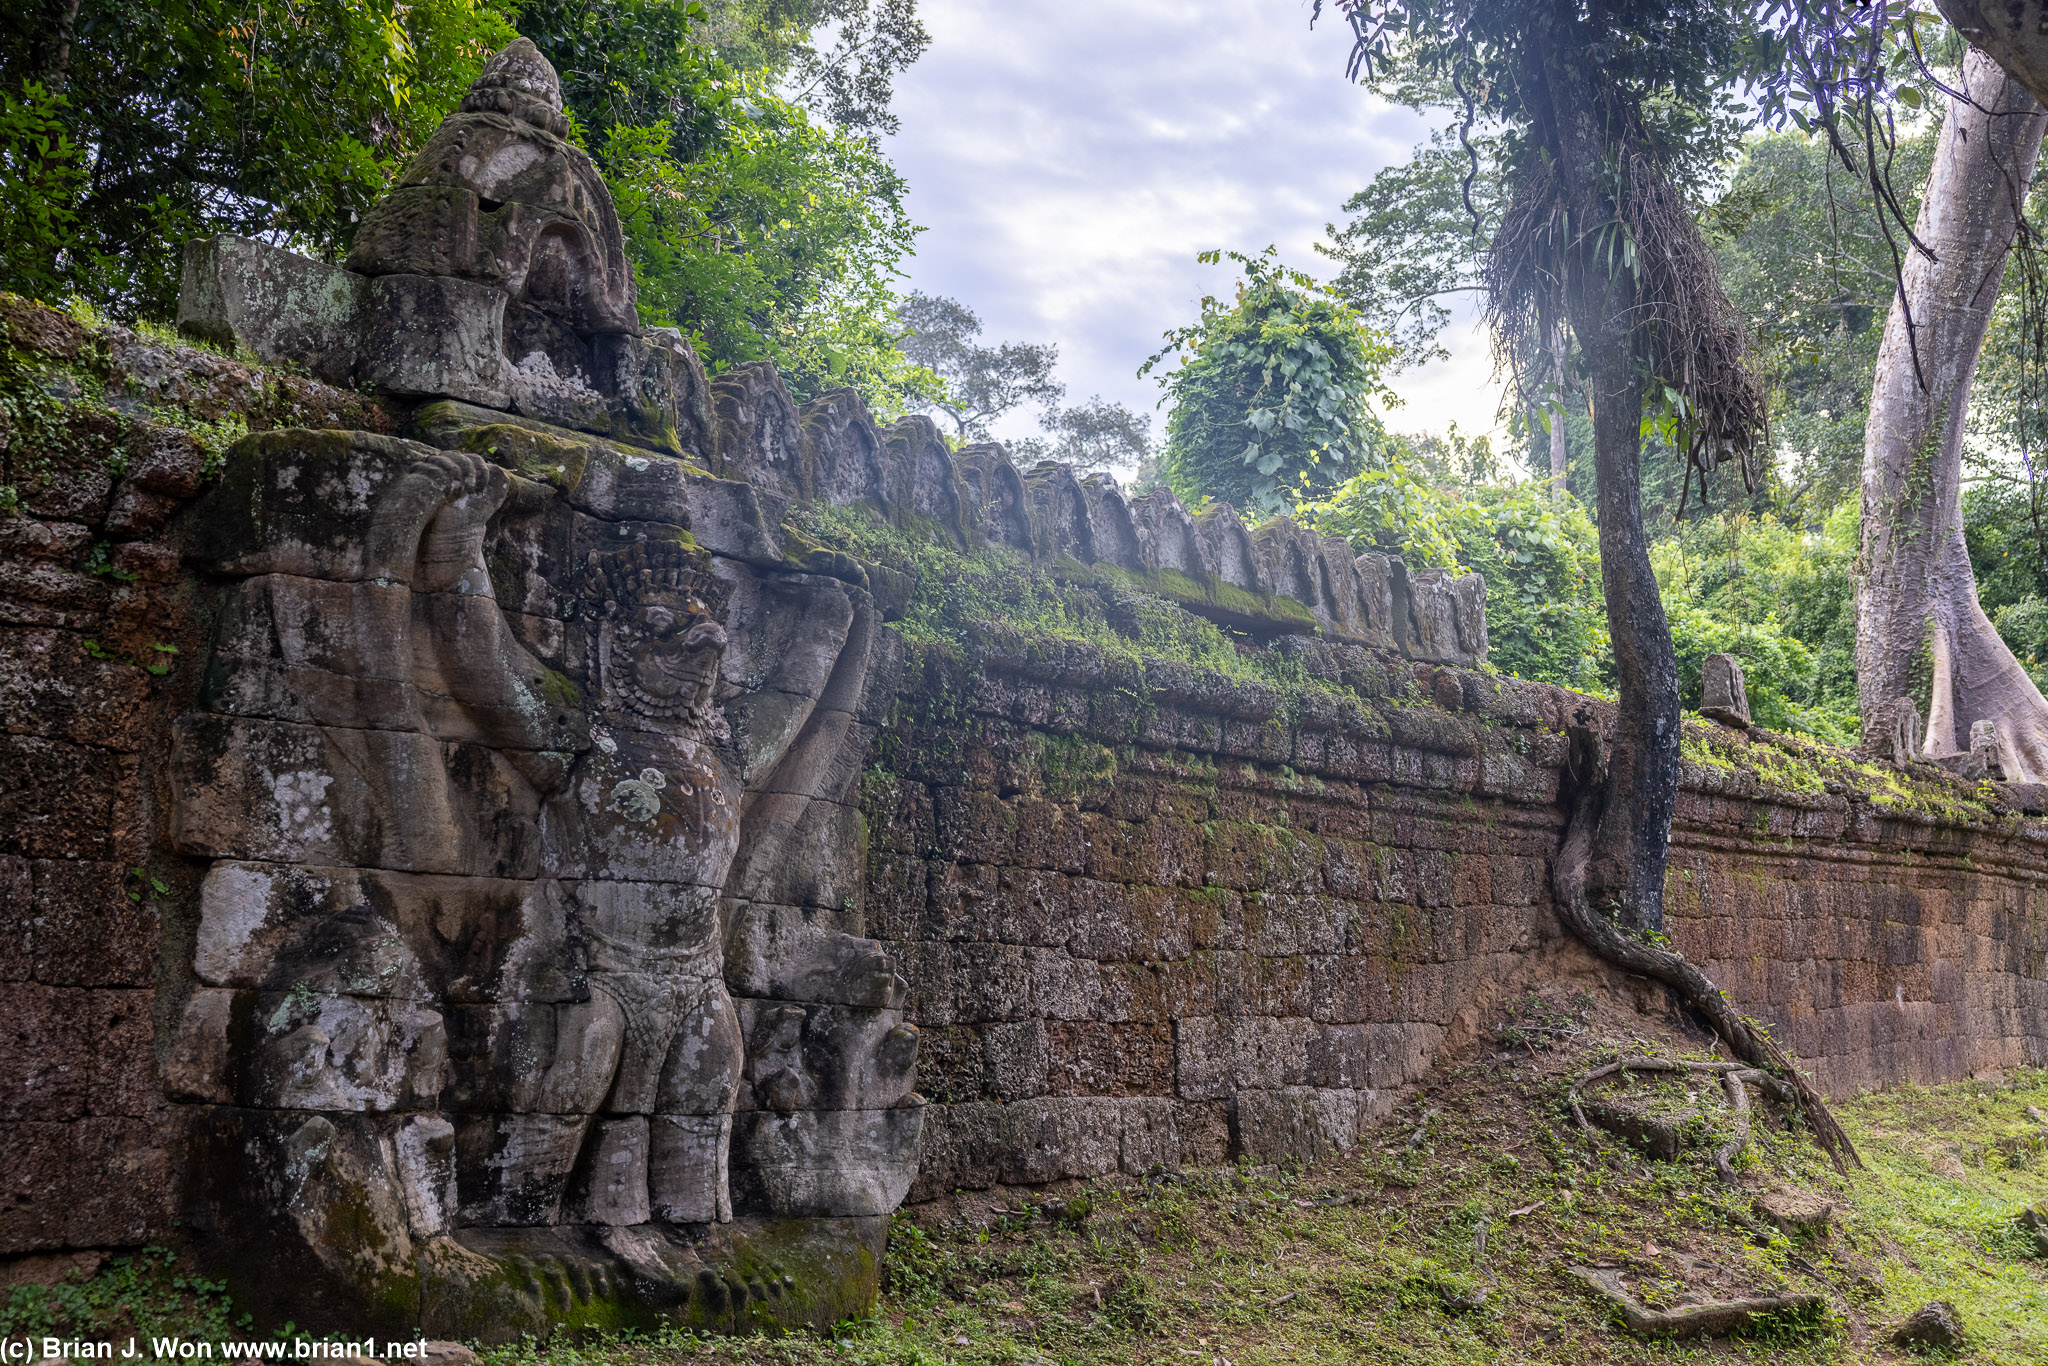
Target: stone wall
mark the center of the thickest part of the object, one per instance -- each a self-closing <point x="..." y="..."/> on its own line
<point x="1149" y="913"/>
<point x="1152" y="916"/>
<point x="487" y="836"/>
<point x="97" y="631"/>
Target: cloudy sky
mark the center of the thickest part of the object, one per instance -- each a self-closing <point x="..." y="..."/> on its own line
<point x="1071" y="158"/>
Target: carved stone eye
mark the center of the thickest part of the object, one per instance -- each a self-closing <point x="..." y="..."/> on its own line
<point x="656" y="620"/>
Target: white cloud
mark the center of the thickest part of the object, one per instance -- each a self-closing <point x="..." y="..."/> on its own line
<point x="1070" y="159"/>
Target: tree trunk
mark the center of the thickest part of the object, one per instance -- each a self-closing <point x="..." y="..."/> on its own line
<point x="2013" y="33"/>
<point x="1624" y="873"/>
<point x="1558" y="448"/>
<point x="1915" y="588"/>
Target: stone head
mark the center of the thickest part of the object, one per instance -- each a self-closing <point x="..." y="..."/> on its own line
<point x="659" y="640"/>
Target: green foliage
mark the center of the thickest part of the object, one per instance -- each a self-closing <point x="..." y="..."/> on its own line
<point x="779" y="241"/>
<point x="1779" y="599"/>
<point x="960" y="597"/>
<point x="201" y="116"/>
<point x="1545" y="619"/>
<point x="1271" y="397"/>
<point x="42" y="178"/>
<point x="2024" y="626"/>
<point x="144" y="1295"/>
<point x="1412" y="241"/>
<point x="1803" y="257"/>
<point x="2005" y="525"/>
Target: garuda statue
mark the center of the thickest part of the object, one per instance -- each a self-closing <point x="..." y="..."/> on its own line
<point x="529" y="984"/>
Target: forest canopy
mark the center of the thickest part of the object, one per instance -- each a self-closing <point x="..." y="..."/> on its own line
<point x="741" y="142"/>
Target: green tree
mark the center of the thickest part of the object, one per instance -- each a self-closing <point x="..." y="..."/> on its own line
<point x="1272" y="394"/>
<point x="195" y="117"/>
<point x="1608" y="109"/>
<point x="1540" y="558"/>
<point x="982" y="383"/>
<point x="1777" y="596"/>
<point x="779" y="240"/>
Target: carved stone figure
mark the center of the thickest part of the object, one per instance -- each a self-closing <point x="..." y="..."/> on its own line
<point x="473" y="993"/>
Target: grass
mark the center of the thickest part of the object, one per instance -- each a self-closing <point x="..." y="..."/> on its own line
<point x="1373" y="1257"/>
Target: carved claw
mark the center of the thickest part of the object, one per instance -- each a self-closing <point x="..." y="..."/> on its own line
<point x="429" y="527"/>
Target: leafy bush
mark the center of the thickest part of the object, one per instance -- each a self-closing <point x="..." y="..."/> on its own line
<point x="1271" y="398"/>
<point x="1776" y="597"/>
<point x="778" y="241"/>
<point x="1544" y="616"/>
<point x="42" y="176"/>
<point x="2024" y="625"/>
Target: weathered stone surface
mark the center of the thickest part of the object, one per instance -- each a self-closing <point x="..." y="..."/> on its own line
<point x="434" y="336"/>
<point x="542" y="787"/>
<point x="1931" y="1327"/>
<point x="819" y="1162"/>
<point x="1723" y="695"/>
<point x="282" y="306"/>
<point x="461" y="944"/>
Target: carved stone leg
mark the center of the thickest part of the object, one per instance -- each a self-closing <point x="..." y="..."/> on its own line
<point x="693" y="1121"/>
<point x="611" y="1183"/>
<point x="513" y="1170"/>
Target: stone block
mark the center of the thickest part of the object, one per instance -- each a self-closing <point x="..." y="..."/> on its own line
<point x="434" y="336"/>
<point x="17" y="919"/>
<point x="202" y="1066"/>
<point x="89" y="1183"/>
<point x="344" y="1053"/>
<point x="1062" y="988"/>
<point x="1151" y="1136"/>
<point x="64" y="801"/>
<point x="1295" y="1124"/>
<point x="1723" y="694"/>
<point x="91" y="927"/>
<point x="659" y="392"/>
<point x="331" y="653"/>
<point x="1090" y="1059"/>
<point x="1059" y="1137"/>
<point x="829" y="1057"/>
<point x="623" y="485"/>
<point x="788" y="954"/>
<point x="835" y="1162"/>
<point x="1016" y="1060"/>
<point x="282" y="306"/>
<point x="1215" y="1057"/>
<point x="281" y="793"/>
<point x="963" y="1147"/>
<point x="396" y="935"/>
<point x="1371" y="1057"/>
<point x="514" y="1170"/>
<point x="301" y="502"/>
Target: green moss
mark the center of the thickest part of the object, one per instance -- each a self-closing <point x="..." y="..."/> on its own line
<point x="962" y="601"/>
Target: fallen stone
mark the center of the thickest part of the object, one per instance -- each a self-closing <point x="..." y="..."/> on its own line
<point x="447" y="1354"/>
<point x="1661" y="1136"/>
<point x="2035" y="1222"/>
<point x="1724" y="697"/>
<point x="1796" y="1214"/>
<point x="1931" y="1326"/>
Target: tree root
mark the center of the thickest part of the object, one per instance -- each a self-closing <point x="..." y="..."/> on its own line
<point x="1732" y="1075"/>
<point x="1745" y="1038"/>
<point x="1714" y="1317"/>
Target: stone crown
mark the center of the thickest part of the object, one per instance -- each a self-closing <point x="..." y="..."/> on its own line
<point x="519" y="83"/>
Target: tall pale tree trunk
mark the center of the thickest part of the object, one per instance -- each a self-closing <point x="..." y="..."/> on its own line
<point x="1915" y="588"/>
<point x="1558" y="448"/>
